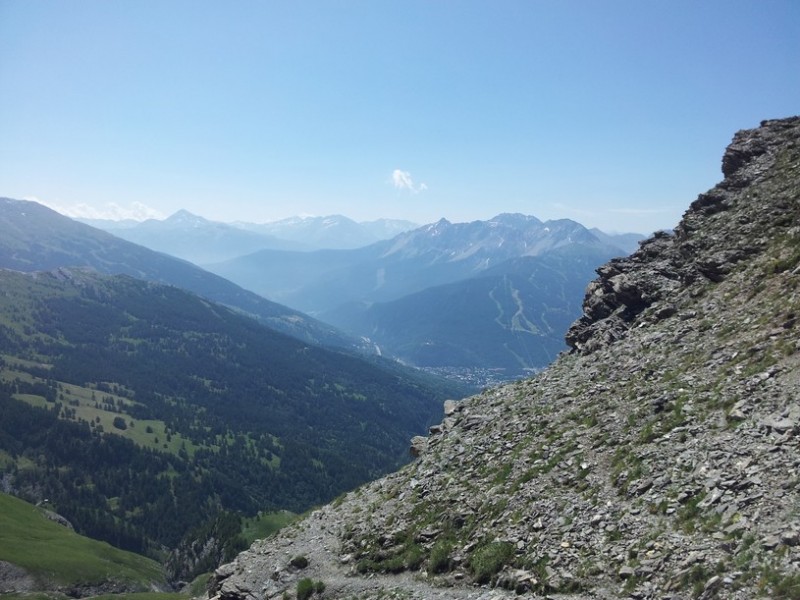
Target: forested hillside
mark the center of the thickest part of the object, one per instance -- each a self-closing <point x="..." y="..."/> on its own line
<point x="510" y="319"/>
<point x="147" y="414"/>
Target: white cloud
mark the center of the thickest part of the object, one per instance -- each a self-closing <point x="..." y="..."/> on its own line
<point x="136" y="211"/>
<point x="402" y="181"/>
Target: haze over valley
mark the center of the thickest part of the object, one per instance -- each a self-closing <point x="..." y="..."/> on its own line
<point x="401" y="294"/>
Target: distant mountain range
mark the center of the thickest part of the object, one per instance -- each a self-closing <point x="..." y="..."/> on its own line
<point x="492" y="295"/>
<point x="333" y="231"/>
<point x="629" y="242"/>
<point x="201" y="241"/>
<point x="436" y="254"/>
<point x="35" y="238"/>
<point x="496" y="294"/>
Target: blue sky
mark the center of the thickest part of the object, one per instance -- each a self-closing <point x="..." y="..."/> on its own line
<point x="614" y="113"/>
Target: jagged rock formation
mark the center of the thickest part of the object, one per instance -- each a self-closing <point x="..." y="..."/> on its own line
<point x="721" y="228"/>
<point x="658" y="459"/>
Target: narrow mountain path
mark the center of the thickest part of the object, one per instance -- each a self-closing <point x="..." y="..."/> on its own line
<point x="316" y="539"/>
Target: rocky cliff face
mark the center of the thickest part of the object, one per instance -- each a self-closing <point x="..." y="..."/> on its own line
<point x="735" y="220"/>
<point x="658" y="459"/>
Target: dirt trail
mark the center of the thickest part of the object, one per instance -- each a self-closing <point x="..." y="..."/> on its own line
<point x="316" y="539"/>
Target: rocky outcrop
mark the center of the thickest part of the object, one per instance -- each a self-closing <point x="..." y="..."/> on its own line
<point x="706" y="245"/>
<point x="14" y="579"/>
<point x="56" y="518"/>
<point x="658" y="459"/>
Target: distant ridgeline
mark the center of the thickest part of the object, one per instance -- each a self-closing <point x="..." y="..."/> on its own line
<point x="149" y="416"/>
<point x="481" y="301"/>
<point x="497" y="294"/>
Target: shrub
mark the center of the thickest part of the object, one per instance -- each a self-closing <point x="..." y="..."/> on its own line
<point x="783" y="586"/>
<point x="119" y="423"/>
<point x="439" y="561"/>
<point x="305" y="589"/>
<point x="488" y="560"/>
<point x="413" y="557"/>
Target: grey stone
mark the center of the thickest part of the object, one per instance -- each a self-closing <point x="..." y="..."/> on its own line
<point x="626" y="572"/>
<point x="418" y="445"/>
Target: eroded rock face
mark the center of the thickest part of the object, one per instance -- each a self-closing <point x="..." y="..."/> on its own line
<point x="706" y="245"/>
<point x="752" y="151"/>
<point x="659" y="459"/>
<point x="14" y="579"/>
<point x="628" y="286"/>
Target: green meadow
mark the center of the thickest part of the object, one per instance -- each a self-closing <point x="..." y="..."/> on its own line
<point x="54" y="555"/>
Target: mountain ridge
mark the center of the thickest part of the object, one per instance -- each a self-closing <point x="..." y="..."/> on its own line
<point x="406" y="295"/>
<point x="202" y="241"/>
<point x="444" y="252"/>
<point x="333" y="232"/>
<point x="509" y="319"/>
<point x="36" y="238"/>
<point x="657" y="459"/>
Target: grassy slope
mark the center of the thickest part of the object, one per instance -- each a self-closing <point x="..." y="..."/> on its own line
<point x="264" y="525"/>
<point x="56" y="555"/>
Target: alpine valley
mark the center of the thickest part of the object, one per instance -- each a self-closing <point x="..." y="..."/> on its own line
<point x="483" y="302"/>
<point x="162" y="408"/>
<point x="157" y="419"/>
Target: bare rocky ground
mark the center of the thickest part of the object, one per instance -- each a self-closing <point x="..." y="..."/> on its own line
<point x="659" y="459"/>
<point x="15" y="579"/>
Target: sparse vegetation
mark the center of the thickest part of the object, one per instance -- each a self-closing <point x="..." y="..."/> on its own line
<point x="305" y="588"/>
<point x="440" y="561"/>
<point x="486" y="561"/>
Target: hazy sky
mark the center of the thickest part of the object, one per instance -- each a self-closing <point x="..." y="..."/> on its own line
<point x="612" y="113"/>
